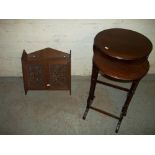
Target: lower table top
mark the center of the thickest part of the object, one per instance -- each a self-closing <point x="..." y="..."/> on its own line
<point x="120" y="70"/>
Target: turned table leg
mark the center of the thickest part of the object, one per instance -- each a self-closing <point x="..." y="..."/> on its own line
<point x="92" y="89"/>
<point x="127" y="102"/>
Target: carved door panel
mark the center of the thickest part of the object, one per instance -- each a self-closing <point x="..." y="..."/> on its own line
<point x="36" y="76"/>
<point x="58" y="76"/>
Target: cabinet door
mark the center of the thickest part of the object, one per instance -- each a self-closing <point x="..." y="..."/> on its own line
<point x="59" y="76"/>
<point x="36" y="76"/>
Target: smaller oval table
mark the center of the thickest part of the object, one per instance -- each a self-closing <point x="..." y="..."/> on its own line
<point x="120" y="55"/>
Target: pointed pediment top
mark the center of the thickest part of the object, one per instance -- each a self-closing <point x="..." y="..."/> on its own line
<point x="47" y="53"/>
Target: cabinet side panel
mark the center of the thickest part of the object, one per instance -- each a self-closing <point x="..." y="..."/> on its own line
<point x="69" y="68"/>
<point x="25" y="76"/>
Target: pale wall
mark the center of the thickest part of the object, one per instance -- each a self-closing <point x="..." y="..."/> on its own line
<point x="77" y="35"/>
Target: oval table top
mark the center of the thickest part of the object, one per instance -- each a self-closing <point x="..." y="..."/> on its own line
<point x="123" y="44"/>
<point x="120" y="70"/>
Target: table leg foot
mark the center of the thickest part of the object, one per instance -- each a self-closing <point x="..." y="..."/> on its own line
<point x="118" y="124"/>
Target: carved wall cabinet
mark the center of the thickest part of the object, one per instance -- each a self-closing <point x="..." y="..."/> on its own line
<point x="46" y="69"/>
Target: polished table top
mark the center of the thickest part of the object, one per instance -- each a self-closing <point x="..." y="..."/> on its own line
<point x="121" y="70"/>
<point x="123" y="44"/>
<point x="122" y="54"/>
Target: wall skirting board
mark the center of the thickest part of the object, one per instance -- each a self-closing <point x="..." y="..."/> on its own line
<point x="148" y="77"/>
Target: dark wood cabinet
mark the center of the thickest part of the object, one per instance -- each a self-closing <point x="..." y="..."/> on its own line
<point x="46" y="69"/>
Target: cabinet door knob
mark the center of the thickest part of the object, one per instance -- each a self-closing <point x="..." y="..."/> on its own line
<point x="48" y="85"/>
